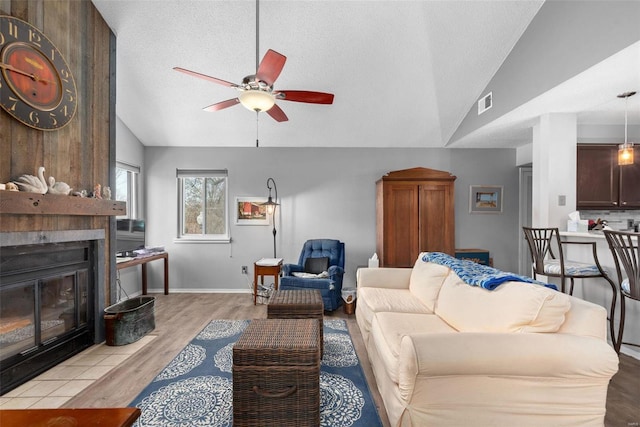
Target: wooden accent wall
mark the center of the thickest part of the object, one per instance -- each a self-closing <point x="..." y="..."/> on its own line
<point x="81" y="154"/>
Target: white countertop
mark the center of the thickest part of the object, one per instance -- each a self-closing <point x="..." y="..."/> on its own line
<point x="586" y="235"/>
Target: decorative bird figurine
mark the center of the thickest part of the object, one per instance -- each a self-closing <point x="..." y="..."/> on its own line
<point x="58" y="187"/>
<point x="32" y="184"/>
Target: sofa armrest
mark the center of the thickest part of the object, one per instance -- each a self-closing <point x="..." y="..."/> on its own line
<point x="503" y="354"/>
<point x="395" y="278"/>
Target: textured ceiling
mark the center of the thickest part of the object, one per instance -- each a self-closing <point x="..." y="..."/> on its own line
<point x="404" y="73"/>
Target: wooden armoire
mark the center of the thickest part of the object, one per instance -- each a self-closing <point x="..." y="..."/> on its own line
<point x="414" y="213"/>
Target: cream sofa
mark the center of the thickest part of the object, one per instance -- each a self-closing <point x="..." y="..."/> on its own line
<point x="445" y="353"/>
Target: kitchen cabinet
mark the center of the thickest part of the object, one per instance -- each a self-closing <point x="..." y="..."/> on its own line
<point x="601" y="183"/>
<point x="414" y="213"/>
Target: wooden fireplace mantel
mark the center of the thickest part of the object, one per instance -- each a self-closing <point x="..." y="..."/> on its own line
<point x="19" y="202"/>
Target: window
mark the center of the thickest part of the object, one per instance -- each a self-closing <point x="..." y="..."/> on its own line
<point x="203" y="205"/>
<point x="127" y="188"/>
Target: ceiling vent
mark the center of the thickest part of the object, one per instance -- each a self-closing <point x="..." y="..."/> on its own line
<point x="485" y="103"/>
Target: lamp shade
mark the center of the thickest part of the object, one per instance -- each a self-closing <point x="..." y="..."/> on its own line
<point x="271" y="205"/>
<point x="625" y="154"/>
<point x="256" y="100"/>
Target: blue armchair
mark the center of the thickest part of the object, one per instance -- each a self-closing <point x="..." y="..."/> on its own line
<point x="313" y="253"/>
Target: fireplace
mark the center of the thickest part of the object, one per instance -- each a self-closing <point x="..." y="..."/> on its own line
<point x="50" y="302"/>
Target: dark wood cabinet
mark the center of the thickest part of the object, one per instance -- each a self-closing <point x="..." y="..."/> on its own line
<point x="601" y="183"/>
<point x="414" y="213"/>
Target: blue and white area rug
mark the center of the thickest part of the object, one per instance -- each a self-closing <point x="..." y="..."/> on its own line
<point x="195" y="389"/>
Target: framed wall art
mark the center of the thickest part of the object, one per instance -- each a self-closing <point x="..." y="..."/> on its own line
<point x="485" y="199"/>
<point x="250" y="211"/>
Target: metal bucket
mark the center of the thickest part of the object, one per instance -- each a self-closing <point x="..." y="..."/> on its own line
<point x="129" y="320"/>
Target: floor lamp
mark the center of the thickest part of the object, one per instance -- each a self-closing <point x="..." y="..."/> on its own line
<point x="271" y="209"/>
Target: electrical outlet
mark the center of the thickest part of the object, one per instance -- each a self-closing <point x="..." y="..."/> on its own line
<point x="245" y="270"/>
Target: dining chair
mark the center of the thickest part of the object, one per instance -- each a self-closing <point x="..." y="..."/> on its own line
<point x="624" y="248"/>
<point x="547" y="256"/>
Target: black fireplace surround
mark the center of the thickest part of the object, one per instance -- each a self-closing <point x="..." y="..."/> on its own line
<point x="51" y="300"/>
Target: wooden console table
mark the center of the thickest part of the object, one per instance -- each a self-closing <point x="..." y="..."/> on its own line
<point x="262" y="270"/>
<point x="85" y="417"/>
<point x="143" y="262"/>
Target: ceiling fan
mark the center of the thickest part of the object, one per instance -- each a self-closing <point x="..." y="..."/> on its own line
<point x="256" y="90"/>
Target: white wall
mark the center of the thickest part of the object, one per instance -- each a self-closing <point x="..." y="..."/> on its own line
<point x="325" y="193"/>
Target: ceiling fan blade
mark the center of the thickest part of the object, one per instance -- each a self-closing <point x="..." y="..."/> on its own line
<point x="222" y="105"/>
<point x="204" y="76"/>
<point x="277" y="114"/>
<point x="305" y="96"/>
<point x="270" y="67"/>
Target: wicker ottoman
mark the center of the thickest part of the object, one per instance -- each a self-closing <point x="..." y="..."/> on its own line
<point x="298" y="304"/>
<point x="276" y="374"/>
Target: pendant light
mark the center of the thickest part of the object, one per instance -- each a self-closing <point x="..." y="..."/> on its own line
<point x="625" y="151"/>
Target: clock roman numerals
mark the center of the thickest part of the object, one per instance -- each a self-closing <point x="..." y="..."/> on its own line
<point x="12" y="30"/>
<point x="35" y="38"/>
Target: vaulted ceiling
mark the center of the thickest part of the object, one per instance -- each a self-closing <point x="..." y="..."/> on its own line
<point x="404" y="73"/>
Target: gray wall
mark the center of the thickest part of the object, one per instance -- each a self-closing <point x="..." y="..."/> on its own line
<point x="325" y="193"/>
<point x="130" y="150"/>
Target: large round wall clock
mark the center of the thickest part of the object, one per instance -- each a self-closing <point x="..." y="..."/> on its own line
<point x="36" y="85"/>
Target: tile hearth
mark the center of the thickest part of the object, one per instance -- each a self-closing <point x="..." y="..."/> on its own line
<point x="55" y="387"/>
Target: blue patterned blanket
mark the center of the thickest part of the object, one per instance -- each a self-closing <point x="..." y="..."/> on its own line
<point x="476" y="274"/>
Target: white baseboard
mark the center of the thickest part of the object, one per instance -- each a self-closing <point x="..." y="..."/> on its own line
<point x="200" y="291"/>
<point x="630" y="351"/>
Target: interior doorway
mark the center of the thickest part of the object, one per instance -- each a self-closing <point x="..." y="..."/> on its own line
<point x="524" y="220"/>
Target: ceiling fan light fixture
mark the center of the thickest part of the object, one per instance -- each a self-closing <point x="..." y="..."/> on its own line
<point x="257" y="100"/>
<point x="625" y="151"/>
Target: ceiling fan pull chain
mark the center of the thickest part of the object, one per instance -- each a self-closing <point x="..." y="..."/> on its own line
<point x="257" y="141"/>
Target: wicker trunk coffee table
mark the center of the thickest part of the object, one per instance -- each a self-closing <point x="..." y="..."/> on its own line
<point x="276" y="374"/>
<point x="298" y="304"/>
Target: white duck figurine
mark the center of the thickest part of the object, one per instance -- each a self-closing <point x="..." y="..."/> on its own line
<point x="32" y="184"/>
<point x="58" y="187"/>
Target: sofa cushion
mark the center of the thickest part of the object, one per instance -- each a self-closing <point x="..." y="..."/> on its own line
<point x="388" y="329"/>
<point x="397" y="300"/>
<point x="374" y="300"/>
<point x="426" y="280"/>
<point x="511" y="307"/>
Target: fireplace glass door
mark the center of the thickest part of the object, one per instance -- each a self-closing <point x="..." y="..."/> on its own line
<point x="45" y="308"/>
<point x="62" y="303"/>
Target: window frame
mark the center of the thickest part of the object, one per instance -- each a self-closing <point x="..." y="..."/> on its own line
<point x="133" y="190"/>
<point x="201" y="238"/>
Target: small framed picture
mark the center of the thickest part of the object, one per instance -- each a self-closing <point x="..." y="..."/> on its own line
<point x="485" y="199"/>
<point x="251" y="211"/>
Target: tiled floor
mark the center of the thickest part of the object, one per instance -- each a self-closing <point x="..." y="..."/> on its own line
<point x="59" y="384"/>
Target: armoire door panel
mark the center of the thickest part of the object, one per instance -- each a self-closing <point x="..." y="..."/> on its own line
<point x="401" y="223"/>
<point x="434" y="219"/>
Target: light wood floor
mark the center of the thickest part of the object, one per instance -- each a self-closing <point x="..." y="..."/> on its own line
<point x="179" y="317"/>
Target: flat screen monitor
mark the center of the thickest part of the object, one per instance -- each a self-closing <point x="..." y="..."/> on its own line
<point x="130" y="235"/>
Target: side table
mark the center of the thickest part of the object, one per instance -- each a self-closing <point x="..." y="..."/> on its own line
<point x="261" y="268"/>
<point x="143" y="262"/>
